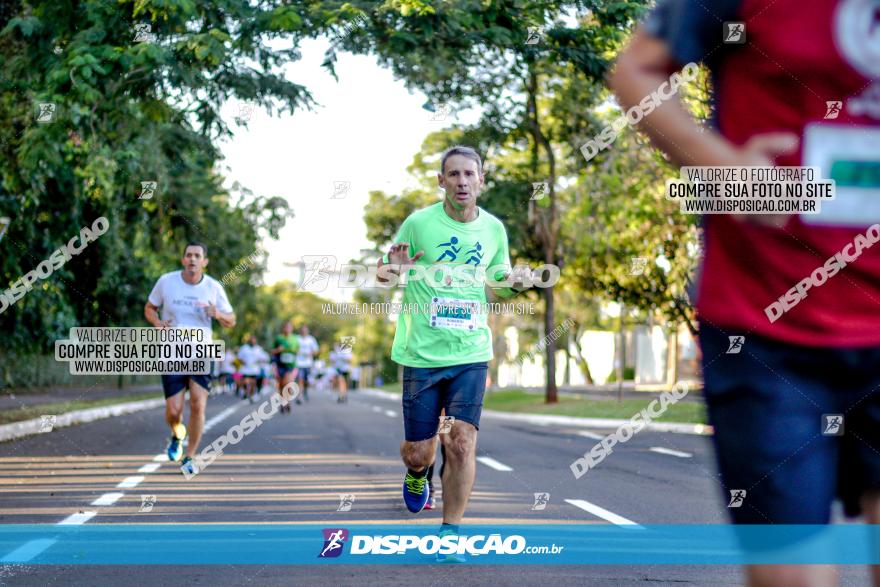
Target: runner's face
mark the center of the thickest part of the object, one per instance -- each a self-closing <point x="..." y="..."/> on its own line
<point x="287" y="328"/>
<point x="462" y="181"/>
<point x="193" y="260"/>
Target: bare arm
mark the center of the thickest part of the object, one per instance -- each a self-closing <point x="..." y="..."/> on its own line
<point x="226" y="319"/>
<point x="514" y="283"/>
<point x="640" y="70"/>
<point x="151" y="313"/>
<point x="394" y="270"/>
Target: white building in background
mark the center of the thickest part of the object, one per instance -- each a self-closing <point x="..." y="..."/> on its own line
<point x="655" y="357"/>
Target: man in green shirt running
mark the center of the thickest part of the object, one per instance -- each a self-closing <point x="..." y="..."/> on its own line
<point x="443" y="339"/>
<point x="286" y="346"/>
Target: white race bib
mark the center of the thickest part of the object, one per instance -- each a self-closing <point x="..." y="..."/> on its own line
<point x="288" y="358"/>
<point x="454" y="313"/>
<point x="850" y="155"/>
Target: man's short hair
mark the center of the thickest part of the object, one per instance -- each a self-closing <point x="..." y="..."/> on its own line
<point x="464" y="151"/>
<point x="196" y="244"/>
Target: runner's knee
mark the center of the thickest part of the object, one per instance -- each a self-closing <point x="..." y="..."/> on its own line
<point x="460" y="448"/>
<point x="417" y="455"/>
<point x="461" y="443"/>
<point x="174" y="409"/>
<point x="197" y="406"/>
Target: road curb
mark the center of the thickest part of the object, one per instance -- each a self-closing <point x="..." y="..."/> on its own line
<point x="378" y="393"/>
<point x="29" y="427"/>
<point x="545" y="419"/>
<point x="549" y="419"/>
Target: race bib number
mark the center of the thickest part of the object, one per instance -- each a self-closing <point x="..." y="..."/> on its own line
<point x="287" y="357"/>
<point x="850" y="155"/>
<point x="453" y="313"/>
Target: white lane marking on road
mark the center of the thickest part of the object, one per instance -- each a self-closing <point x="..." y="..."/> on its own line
<point x="77" y="518"/>
<point x="219" y="417"/>
<point x="669" y="451"/>
<point x="604" y="514"/>
<point x="28" y="550"/>
<point x="390" y="414"/>
<point x="377" y="409"/>
<point x="592" y="435"/>
<point x="490" y="462"/>
<point x="108" y="499"/>
<point x="133" y="481"/>
<point x="130" y="482"/>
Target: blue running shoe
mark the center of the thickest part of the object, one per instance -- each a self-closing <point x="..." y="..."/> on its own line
<point x="449" y="558"/>
<point x="175" y="449"/>
<point x="187" y="467"/>
<point x="415" y="492"/>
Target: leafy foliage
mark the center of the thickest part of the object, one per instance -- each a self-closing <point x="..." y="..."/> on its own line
<point x="129" y="111"/>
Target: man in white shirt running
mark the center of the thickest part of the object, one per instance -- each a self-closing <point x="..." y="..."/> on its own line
<point x="250" y="355"/>
<point x="340" y="359"/>
<point x="187" y="298"/>
<point x="227" y="369"/>
<point x="305" y="356"/>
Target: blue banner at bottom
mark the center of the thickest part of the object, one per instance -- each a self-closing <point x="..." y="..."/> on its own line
<point x="568" y="544"/>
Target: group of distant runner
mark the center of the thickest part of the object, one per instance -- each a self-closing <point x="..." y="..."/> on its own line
<point x="248" y="369"/>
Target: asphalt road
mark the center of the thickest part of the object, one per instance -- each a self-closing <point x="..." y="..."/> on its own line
<point x="293" y="468"/>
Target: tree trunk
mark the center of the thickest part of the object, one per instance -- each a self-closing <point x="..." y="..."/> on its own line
<point x="672" y="358"/>
<point x="552" y="395"/>
<point x="547" y="228"/>
<point x="581" y="360"/>
<point x="621" y="355"/>
<point x="566" y="378"/>
<point x="499" y="348"/>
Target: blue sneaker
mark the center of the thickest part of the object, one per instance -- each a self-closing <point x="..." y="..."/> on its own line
<point x="415" y="492"/>
<point x="175" y="449"/>
<point x="449" y="558"/>
<point x="187" y="467"/>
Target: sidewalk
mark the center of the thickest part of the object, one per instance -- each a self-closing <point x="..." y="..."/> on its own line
<point x="11" y="399"/>
<point x="609" y="391"/>
<point x="577" y="421"/>
<point x="43" y="425"/>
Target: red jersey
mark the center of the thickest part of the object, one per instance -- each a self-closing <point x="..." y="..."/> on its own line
<point x="812" y="69"/>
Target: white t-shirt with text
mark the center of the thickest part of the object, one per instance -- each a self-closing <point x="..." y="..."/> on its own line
<point x="184" y="304"/>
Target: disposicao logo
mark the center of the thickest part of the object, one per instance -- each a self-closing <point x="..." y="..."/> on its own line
<point x="334" y="539"/>
<point x="403" y="544"/>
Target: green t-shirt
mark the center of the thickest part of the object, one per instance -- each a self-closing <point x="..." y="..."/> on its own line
<point x="289" y="345"/>
<point x="443" y="319"/>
